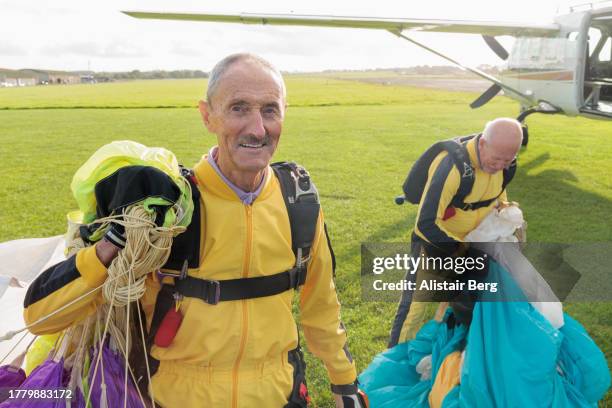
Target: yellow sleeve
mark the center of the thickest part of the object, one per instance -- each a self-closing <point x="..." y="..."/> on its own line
<point x="442" y="185"/>
<point x="61" y="284"/>
<point x="320" y="313"/>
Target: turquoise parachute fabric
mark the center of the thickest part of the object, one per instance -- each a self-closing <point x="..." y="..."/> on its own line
<point x="391" y="380"/>
<point x="583" y="361"/>
<point x="513" y="357"/>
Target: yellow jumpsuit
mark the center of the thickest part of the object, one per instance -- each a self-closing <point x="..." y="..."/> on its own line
<point x="233" y="354"/>
<point x="442" y="185"/>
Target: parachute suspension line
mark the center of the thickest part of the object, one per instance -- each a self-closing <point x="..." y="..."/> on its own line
<point x="159" y="242"/>
<point x="99" y="355"/>
<point x="116" y="334"/>
<point x="147" y="249"/>
<point x="127" y="336"/>
<point x="10" y="334"/>
<point x="14" y="346"/>
<point x="76" y="373"/>
<point x="146" y="357"/>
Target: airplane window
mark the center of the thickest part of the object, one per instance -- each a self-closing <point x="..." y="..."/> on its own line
<point x="594" y="36"/>
<point x="605" y="55"/>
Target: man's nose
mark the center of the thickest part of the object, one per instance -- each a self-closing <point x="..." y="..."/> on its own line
<point x="256" y="125"/>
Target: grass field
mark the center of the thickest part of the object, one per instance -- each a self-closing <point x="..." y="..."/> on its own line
<point x="357" y="140"/>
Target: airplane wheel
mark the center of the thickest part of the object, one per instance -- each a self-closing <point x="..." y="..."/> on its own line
<point x="525" y="135"/>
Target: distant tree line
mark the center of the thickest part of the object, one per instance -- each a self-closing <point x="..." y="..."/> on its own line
<point x="158" y="74"/>
<point x="427" y="70"/>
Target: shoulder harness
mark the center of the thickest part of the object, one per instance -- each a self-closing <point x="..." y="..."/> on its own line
<point x="417" y="177"/>
<point x="302" y="202"/>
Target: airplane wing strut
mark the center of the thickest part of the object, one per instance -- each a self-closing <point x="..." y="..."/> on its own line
<point x="497" y="84"/>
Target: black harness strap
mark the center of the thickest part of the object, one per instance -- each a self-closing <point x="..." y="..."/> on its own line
<point x="302" y="202"/>
<point x="186" y="246"/>
<point x="213" y="291"/>
<point x="461" y="158"/>
<point x="458" y="151"/>
<point x="508" y="175"/>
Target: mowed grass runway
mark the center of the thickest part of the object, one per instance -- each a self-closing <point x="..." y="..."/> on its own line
<point x="357" y="140"/>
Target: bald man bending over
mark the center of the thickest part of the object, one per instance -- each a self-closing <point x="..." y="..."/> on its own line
<point x="442" y="225"/>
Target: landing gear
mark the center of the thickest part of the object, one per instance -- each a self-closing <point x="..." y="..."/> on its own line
<point x="542" y="107"/>
<point x="525" y="134"/>
<point x="521" y="118"/>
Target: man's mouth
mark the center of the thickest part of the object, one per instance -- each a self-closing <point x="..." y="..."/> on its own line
<point x="252" y="145"/>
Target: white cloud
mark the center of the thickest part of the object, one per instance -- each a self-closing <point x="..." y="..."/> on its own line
<point x="8" y="49"/>
<point x="114" y="49"/>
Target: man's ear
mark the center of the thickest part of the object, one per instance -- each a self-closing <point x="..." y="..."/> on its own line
<point x="204" y="108"/>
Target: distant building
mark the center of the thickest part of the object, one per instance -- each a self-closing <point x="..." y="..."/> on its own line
<point x="88" y="79"/>
<point x="10" y="81"/>
<point x="42" y="77"/>
<point x="26" y="81"/>
<point x="45" y="77"/>
<point x="57" y="78"/>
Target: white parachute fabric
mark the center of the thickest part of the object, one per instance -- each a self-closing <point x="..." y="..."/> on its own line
<point x="499" y="226"/>
<point x="4" y="284"/>
<point x="25" y="259"/>
<point x="21" y="261"/>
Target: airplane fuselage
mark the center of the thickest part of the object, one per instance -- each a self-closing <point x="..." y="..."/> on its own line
<point x="562" y="70"/>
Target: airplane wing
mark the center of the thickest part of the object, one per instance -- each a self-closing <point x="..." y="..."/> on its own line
<point x="389" y="24"/>
<point x="397" y="26"/>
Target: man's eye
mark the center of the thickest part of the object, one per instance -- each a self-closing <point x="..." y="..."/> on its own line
<point x="270" y="111"/>
<point x="239" y="108"/>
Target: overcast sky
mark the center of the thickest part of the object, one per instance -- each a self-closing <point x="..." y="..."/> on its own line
<point x="77" y="34"/>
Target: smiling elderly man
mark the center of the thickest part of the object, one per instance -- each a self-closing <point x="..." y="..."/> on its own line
<point x="464" y="180"/>
<point x="257" y="236"/>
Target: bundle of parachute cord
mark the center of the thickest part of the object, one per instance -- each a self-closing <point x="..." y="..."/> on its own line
<point x="147" y="249"/>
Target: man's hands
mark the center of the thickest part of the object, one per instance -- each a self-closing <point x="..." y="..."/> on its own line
<point x="111" y="243"/>
<point x="106" y="251"/>
<point x="349" y="396"/>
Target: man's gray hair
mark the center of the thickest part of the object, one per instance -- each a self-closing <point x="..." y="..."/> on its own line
<point x="222" y="66"/>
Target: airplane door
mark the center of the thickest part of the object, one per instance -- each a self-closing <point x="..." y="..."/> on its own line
<point x="597" y="77"/>
<point x="551" y="69"/>
<point x="546" y="68"/>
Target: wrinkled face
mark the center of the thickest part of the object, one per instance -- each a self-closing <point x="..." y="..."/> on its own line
<point x="497" y="156"/>
<point x="246" y="113"/>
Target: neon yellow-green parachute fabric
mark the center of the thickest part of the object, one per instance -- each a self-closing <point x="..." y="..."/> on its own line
<point x="113" y="156"/>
